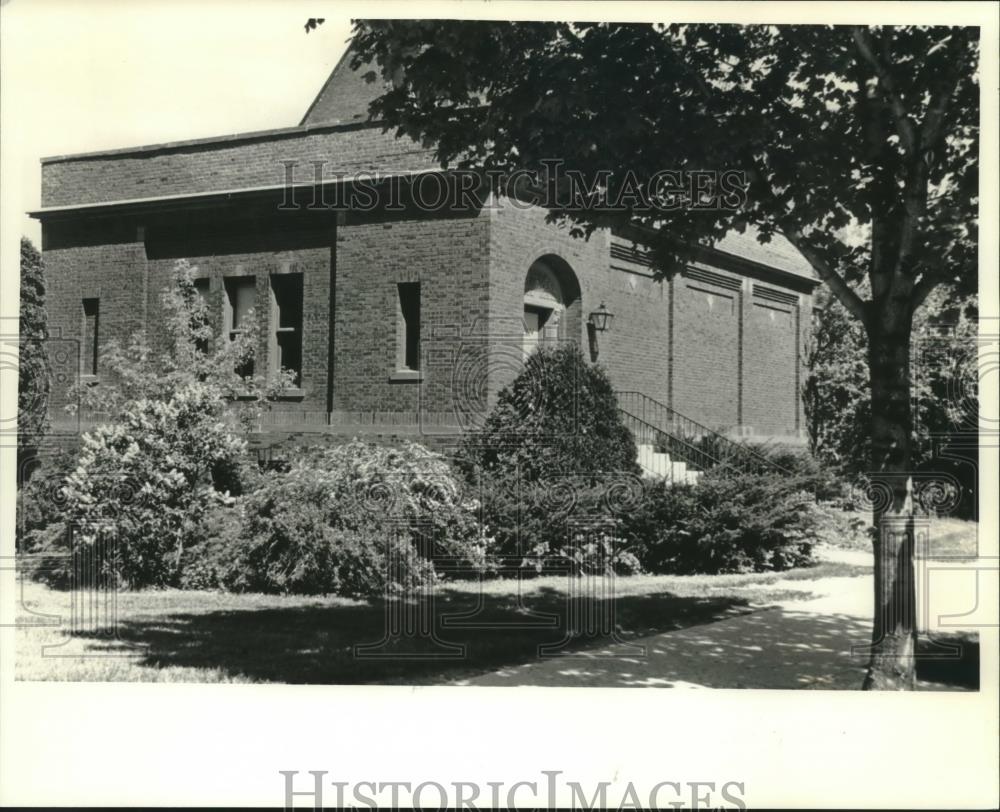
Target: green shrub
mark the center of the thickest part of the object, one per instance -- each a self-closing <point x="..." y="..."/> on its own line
<point x="559" y="415"/>
<point x="143" y="483"/>
<point x="358" y="519"/>
<point x="847" y="530"/>
<point x="298" y="552"/>
<point x="42" y="527"/>
<point x="41" y="501"/>
<point x="410" y="486"/>
<point x="171" y="449"/>
<point x="213" y="559"/>
<point x="810" y="473"/>
<point x="724" y="523"/>
<point x="552" y="524"/>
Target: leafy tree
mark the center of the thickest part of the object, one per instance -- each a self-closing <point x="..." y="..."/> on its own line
<point x="134" y="370"/>
<point x="33" y="363"/>
<point x="833" y="127"/>
<point x="837" y="396"/>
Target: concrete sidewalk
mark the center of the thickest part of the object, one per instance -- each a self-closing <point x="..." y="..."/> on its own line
<point x="794" y="643"/>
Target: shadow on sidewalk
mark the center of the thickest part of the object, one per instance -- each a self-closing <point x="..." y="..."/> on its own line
<point x="711" y="642"/>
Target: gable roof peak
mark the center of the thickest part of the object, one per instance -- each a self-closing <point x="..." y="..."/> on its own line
<point x="346" y="94"/>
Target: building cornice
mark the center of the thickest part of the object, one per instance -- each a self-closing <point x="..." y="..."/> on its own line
<point x="196" y="143"/>
<point x="145" y="205"/>
<point x="196" y="199"/>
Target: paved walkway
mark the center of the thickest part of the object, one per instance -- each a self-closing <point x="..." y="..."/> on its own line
<point x="803" y="643"/>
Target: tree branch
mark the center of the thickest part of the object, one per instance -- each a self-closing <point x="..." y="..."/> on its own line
<point x="844" y="292"/>
<point x="933" y="125"/>
<point x="904" y="124"/>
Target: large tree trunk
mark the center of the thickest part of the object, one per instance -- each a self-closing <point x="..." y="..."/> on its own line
<point x="894" y="637"/>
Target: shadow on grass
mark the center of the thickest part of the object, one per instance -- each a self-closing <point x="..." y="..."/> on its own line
<point x="472" y="634"/>
<point x="546" y="638"/>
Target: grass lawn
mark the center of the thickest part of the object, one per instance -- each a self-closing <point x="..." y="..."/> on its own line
<point x="187" y="636"/>
<point x="947" y="538"/>
<point x="479" y="627"/>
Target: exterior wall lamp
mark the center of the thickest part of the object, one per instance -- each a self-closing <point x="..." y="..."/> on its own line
<point x="601" y="318"/>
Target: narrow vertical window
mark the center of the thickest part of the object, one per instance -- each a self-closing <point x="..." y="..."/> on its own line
<point x="408" y="331"/>
<point x="241" y="295"/>
<point x="286" y="319"/>
<point x="91" y="328"/>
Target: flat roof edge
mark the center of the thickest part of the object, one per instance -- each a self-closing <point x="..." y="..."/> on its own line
<point x="254" y="135"/>
<point x="137" y="202"/>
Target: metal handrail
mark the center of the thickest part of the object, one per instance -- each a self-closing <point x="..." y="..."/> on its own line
<point x="680" y="427"/>
<point x="688" y="453"/>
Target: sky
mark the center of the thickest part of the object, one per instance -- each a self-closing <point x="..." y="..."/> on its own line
<point x="82" y="76"/>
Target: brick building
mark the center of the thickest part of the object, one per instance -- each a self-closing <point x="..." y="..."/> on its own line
<point x="395" y="317"/>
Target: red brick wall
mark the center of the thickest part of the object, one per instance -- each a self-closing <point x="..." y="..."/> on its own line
<point x="221" y="165"/>
<point x="706" y="352"/>
<point x="665" y="341"/>
<point x="635" y="350"/>
<point x="518" y="237"/>
<point x="114" y="273"/>
<point x="314" y="265"/>
<point x="346" y="94"/>
<point x="447" y="255"/>
<point x="771" y="358"/>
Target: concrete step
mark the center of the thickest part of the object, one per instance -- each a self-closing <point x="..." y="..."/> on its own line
<point x="645" y="457"/>
<point x="659" y="465"/>
<point x="653" y="462"/>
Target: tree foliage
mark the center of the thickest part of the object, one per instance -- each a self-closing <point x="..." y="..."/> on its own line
<point x="837" y="395"/>
<point x="859" y="145"/>
<point x="33" y="363"/>
<point x="892" y="111"/>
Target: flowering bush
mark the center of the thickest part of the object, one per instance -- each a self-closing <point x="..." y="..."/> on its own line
<point x="143" y="483"/>
<point x="357" y="519"/>
<point x="171" y="448"/>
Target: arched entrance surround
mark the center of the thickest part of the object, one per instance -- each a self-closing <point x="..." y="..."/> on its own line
<point x="552" y="308"/>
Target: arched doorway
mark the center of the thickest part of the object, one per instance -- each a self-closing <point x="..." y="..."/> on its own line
<point x="551" y="304"/>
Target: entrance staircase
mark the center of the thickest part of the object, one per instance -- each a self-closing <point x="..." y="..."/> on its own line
<point x="676" y="448"/>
